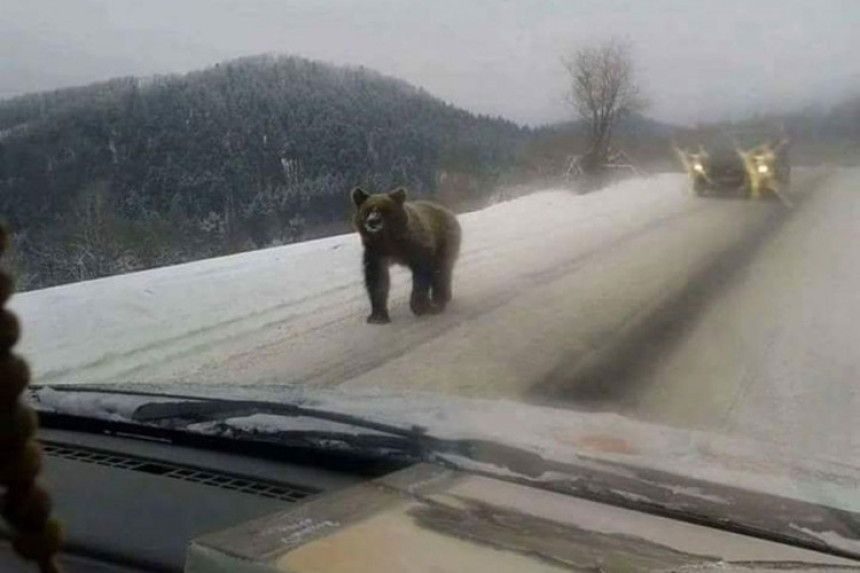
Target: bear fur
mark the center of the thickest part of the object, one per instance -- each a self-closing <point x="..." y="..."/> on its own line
<point x="420" y="235"/>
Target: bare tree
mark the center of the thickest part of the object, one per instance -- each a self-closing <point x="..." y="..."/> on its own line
<point x="603" y="89"/>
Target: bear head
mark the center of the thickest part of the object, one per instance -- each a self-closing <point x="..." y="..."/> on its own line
<point x="380" y="218"/>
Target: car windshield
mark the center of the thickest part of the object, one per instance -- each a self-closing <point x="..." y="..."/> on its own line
<point x="496" y="220"/>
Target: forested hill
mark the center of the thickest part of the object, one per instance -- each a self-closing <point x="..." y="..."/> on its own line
<point x="134" y="173"/>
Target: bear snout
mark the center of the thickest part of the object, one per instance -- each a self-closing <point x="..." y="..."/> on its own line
<point x="373" y="223"/>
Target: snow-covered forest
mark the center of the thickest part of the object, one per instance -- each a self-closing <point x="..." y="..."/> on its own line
<point x="132" y="174"/>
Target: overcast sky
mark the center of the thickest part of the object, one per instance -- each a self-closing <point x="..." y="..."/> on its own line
<point x="695" y="58"/>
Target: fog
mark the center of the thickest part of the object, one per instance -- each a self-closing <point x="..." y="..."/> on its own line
<point x="696" y="60"/>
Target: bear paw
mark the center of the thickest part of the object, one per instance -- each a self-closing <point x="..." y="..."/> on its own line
<point x="425" y="307"/>
<point x="378" y="318"/>
<point x="435" y="308"/>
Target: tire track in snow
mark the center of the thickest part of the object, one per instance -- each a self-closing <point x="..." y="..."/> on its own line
<point x="608" y="377"/>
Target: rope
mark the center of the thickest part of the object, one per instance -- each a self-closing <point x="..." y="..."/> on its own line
<point x="26" y="504"/>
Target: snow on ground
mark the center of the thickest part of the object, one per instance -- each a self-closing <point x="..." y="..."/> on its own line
<point x="307" y="296"/>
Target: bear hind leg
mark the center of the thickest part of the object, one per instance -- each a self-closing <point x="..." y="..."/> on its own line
<point x="419" y="302"/>
<point x="442" y="287"/>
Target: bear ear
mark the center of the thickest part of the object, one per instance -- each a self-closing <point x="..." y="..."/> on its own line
<point x="399" y="195"/>
<point x="359" y="196"/>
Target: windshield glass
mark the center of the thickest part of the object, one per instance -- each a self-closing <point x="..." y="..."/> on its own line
<point x="616" y="229"/>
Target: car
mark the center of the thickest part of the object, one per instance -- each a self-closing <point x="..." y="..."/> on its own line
<point x="728" y="169"/>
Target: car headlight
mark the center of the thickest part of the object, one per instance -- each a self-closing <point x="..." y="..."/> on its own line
<point x="762" y="168"/>
<point x="698" y="168"/>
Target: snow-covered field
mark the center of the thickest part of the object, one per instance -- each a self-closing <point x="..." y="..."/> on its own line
<point x="539" y="277"/>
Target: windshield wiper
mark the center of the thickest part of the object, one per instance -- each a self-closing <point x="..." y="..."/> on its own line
<point x="227" y="424"/>
<point x="179" y="411"/>
<point x="191" y="409"/>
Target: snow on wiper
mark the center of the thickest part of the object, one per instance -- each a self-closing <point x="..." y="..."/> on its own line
<point x="176" y="417"/>
<point x="275" y="420"/>
<point x="143" y="407"/>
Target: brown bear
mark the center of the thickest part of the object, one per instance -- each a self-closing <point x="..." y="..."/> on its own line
<point x="421" y="235"/>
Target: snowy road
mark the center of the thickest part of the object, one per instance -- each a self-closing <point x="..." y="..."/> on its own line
<point x="776" y="356"/>
<point x="543" y="281"/>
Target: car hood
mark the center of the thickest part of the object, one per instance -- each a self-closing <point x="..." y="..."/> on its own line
<point x="764" y="489"/>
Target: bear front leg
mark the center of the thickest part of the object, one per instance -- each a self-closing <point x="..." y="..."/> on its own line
<point x="378" y="282"/>
<point x="419" y="302"/>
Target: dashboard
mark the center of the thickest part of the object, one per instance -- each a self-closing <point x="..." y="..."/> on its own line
<point x="131" y="504"/>
<point x="146" y="502"/>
